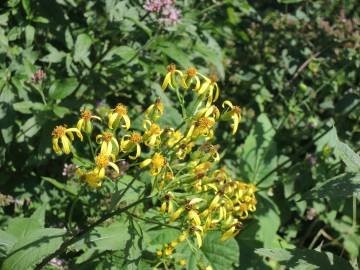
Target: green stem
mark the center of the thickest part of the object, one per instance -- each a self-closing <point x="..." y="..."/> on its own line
<point x="354" y="212"/>
<point x="90" y="144"/>
<point x="72" y="210"/>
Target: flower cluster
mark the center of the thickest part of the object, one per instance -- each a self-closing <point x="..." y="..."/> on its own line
<point x="193" y="191"/>
<point x="169" y="14"/>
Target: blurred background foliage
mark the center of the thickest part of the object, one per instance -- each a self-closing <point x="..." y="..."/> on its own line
<point x="292" y="65"/>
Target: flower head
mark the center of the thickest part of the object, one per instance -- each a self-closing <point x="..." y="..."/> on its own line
<point x="103" y="161"/>
<point x="158" y="162"/>
<point x="65" y="135"/>
<point x="85" y="121"/>
<point x="130" y="143"/>
<point x="118" y="114"/>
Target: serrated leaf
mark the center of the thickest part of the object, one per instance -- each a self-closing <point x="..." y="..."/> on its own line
<point x="343" y="185"/>
<point x="305" y="259"/>
<point x="30" y="250"/>
<point x="63" y="88"/>
<point x="348" y="156"/>
<point x="82" y="47"/>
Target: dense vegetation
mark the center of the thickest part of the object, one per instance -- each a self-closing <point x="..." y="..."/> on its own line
<point x="292" y="66"/>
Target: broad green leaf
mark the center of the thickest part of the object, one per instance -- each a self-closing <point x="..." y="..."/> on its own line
<point x="7" y="241"/>
<point x="60" y="111"/>
<point x="343" y="185"/>
<point x="113" y="237"/>
<point x="305" y="259"/>
<point x="259" y="153"/>
<point x="215" y="253"/>
<point x="28" y="107"/>
<point x="132" y="193"/>
<point x="125" y="52"/>
<point x="348" y="156"/>
<point x="63" y="88"/>
<point x="82" y="47"/>
<point x="30" y="250"/>
<point x="69" y="39"/>
<point x="21" y="227"/>
<point x="54" y="56"/>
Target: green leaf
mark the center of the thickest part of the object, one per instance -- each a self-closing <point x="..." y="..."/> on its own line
<point x="341" y="186"/>
<point x="7" y="241"/>
<point x="69" y="39"/>
<point x="21" y="227"/>
<point x="259" y="153"/>
<point x="113" y="237"/>
<point x="348" y="156"/>
<point x="30" y="250"/>
<point x="59" y="185"/>
<point x="82" y="47"/>
<point x="26" y="6"/>
<point x="63" y="88"/>
<point x="40" y="19"/>
<point x="29" y="35"/>
<point x="28" y="107"/>
<point x="60" y="111"/>
<point x="215" y="253"/>
<point x="305" y="259"/>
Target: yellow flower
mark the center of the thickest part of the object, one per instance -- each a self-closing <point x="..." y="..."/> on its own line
<point x="170" y="78"/>
<point x="201" y="127"/>
<point x="192" y="213"/>
<point x="173" y="137"/>
<point x="131" y="143"/>
<point x="192" y="78"/>
<point x="184" y="149"/>
<point x="158" y="162"/>
<point x="182" y="262"/>
<point x="91" y="178"/>
<point x="207" y="151"/>
<point x="198" y="232"/>
<point x="233" y="231"/>
<point x="85" y="123"/>
<point x="210" y="88"/>
<point x="116" y="115"/>
<point x="159" y="253"/>
<point x="155" y="110"/>
<point x="63" y="133"/>
<point x="167" y="205"/>
<point x="109" y="144"/>
<point x="234" y="113"/>
<point x="152" y="133"/>
<point x="102" y="162"/>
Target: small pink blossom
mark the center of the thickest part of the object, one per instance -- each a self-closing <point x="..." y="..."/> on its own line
<point x="170" y="15"/>
<point x="38" y="76"/>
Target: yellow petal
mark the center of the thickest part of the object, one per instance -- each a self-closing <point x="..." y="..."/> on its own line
<point x="78" y="132"/>
<point x="112" y="118"/>
<point x="228" y="234"/>
<point x="198" y="239"/>
<point x="176" y="215"/>
<point x="227" y="103"/>
<point x="145" y="163"/>
<point x="203" y="88"/>
<point x="195" y="217"/>
<point x="167" y="81"/>
<point x="96" y="117"/>
<point x="66" y="144"/>
<point x="80" y="124"/>
<point x="235" y="124"/>
<point x="138" y="152"/>
<point x="56" y="147"/>
<point x="114" y="166"/>
<point x="127" y="122"/>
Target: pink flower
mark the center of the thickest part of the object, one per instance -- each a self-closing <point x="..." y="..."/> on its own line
<point x="153" y="5"/>
<point x="170" y="15"/>
<point x="38" y="76"/>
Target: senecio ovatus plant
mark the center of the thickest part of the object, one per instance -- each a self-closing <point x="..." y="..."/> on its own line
<point x="193" y="190"/>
